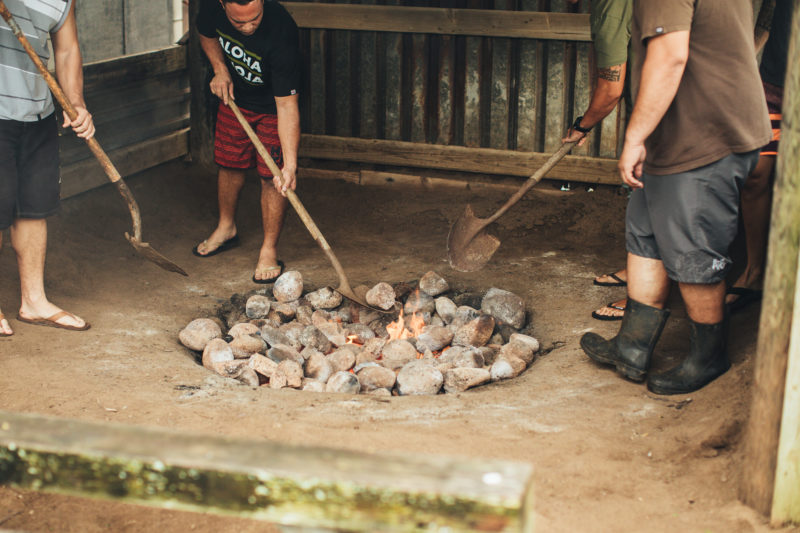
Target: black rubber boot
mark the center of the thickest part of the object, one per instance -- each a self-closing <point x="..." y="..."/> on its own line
<point x="707" y="360"/>
<point x="631" y="349"/>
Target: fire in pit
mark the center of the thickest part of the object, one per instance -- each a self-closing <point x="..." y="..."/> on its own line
<point x="431" y="339"/>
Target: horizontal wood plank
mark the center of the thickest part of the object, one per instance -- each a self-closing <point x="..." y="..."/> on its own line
<point x="101" y="75"/>
<point x="311" y="487"/>
<point x="88" y="174"/>
<point x="459" y="158"/>
<point x="479" y="22"/>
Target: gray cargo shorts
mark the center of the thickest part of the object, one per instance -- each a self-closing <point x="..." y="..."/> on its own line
<point x="688" y="220"/>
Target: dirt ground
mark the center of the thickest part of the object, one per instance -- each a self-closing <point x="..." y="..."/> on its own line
<point x="608" y="455"/>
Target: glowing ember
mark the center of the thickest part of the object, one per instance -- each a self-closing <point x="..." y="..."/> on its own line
<point x="352" y="339"/>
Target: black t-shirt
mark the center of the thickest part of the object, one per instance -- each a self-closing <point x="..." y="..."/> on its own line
<point x="263" y="65"/>
<point x="773" y="62"/>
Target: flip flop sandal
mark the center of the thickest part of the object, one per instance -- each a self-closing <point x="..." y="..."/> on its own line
<point x="745" y="298"/>
<point x="233" y="242"/>
<point x="610" y="305"/>
<point x="278" y="267"/>
<point x="53" y="321"/>
<point x="619" y="282"/>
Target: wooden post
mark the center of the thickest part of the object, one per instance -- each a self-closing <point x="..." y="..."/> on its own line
<point x="764" y="424"/>
<point x="203" y="106"/>
<point x="307" y="487"/>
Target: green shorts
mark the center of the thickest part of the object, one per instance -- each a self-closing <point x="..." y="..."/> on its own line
<point x="688" y="220"/>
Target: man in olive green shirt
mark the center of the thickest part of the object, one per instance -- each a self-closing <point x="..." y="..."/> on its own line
<point x="610" y="22"/>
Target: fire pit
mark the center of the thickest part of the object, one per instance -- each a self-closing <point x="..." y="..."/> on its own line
<point x="430" y="340"/>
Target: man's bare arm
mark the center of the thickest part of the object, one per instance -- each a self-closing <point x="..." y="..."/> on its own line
<point x="662" y="71"/>
<point x="221" y="83"/>
<point x="610" y="83"/>
<point x="69" y="71"/>
<point x="289" y="134"/>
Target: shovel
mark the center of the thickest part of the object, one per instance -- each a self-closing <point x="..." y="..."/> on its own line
<point x="142" y="248"/>
<point x="344" y="286"/>
<point x="469" y="246"/>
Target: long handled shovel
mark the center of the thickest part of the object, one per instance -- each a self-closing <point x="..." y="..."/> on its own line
<point x="142" y="248"/>
<point x="469" y="246"/>
<point x="344" y="286"/>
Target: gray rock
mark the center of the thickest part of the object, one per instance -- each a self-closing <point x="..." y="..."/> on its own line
<point x="419" y="377"/>
<point x="505" y="307"/>
<point x="461" y="379"/>
<point x="334" y="332"/>
<point x="381" y="295"/>
<point x="262" y="364"/>
<point x="397" y="353"/>
<point x="313" y="337"/>
<point x="342" y="360"/>
<point x="376" y="377"/>
<point x="198" y="332"/>
<point x="366" y="316"/>
<point x="505" y="332"/>
<point x="436" y="321"/>
<point x="419" y="302"/>
<point x="527" y="340"/>
<point x="382" y="393"/>
<point x="229" y="369"/>
<point x="508" y="368"/>
<point x="445" y="308"/>
<point x="318" y="367"/>
<point x="278" y="380"/>
<point x="294" y="332"/>
<point x="283" y="352"/>
<point x="257" y="306"/>
<point x="344" y="314"/>
<point x="274" y="336"/>
<point x="286" y="311"/>
<point x="244" y="328"/>
<point x="320" y="316"/>
<point x="476" y="332"/>
<point x="517" y="350"/>
<point x="243" y="346"/>
<point x="292" y="371"/>
<point x="343" y="382"/>
<point x="288" y="286"/>
<point x="462" y="357"/>
<point x="312" y="385"/>
<point x="308" y="351"/>
<point x="434" y="338"/>
<point x="216" y="351"/>
<point x="433" y="284"/>
<point x="248" y="377"/>
<point x="364" y="357"/>
<point x="464" y="314"/>
<point x="324" y="298"/>
<point x="303" y="314"/>
<point x="489" y="353"/>
<point x="359" y="333"/>
<point x="374" y="346"/>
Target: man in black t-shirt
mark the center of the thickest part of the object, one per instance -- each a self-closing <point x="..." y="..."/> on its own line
<point x="252" y="46"/>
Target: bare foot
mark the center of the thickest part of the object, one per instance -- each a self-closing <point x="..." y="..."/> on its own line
<point x="5" y="328"/>
<point x="612" y="311"/>
<point x="219" y="241"/>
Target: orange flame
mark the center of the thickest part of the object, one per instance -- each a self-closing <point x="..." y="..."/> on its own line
<point x="399" y="330"/>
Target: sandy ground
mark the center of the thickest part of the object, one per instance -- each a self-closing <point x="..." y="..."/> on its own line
<point x="608" y="455"/>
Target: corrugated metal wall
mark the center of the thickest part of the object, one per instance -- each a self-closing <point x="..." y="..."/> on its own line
<point x="504" y="93"/>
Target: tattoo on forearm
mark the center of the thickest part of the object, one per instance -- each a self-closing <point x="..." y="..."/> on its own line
<point x="609" y="74"/>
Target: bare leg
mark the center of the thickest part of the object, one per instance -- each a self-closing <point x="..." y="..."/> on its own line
<point x="229" y="185"/>
<point x="756" y="206"/>
<point x="5" y="329"/>
<point x="273" y="211"/>
<point x="704" y="303"/>
<point x="29" y="238"/>
<point x="647" y="281"/>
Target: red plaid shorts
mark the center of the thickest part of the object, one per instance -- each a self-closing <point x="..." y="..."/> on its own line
<point x="233" y="148"/>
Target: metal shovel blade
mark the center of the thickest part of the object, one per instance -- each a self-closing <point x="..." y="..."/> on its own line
<point x="145" y="250"/>
<point x="469" y="246"/>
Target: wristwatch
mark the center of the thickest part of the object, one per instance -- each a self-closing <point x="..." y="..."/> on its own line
<point x="577" y="126"/>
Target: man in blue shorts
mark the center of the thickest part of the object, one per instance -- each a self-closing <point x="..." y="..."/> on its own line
<point x="697" y="125"/>
<point x="29" y="173"/>
<point x="253" y="48"/>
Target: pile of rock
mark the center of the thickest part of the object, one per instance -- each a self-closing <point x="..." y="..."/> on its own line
<point x="316" y="341"/>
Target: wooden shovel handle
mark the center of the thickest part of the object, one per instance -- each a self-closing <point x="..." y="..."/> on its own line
<point x="290" y="194"/>
<point x="533" y="180"/>
<point x="94" y="146"/>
